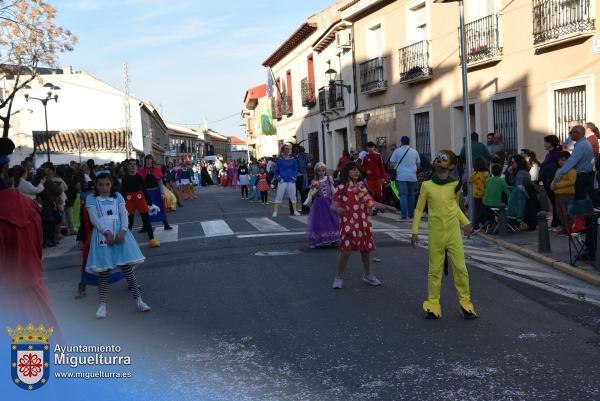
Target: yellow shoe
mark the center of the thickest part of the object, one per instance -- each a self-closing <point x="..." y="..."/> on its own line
<point x="154" y="243"/>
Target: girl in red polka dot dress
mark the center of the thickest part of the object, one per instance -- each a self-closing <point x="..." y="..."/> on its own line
<point x="354" y="204"/>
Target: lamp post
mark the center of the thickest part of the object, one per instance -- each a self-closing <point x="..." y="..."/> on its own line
<point x="331" y="75"/>
<point x="465" y="89"/>
<point x="50" y="95"/>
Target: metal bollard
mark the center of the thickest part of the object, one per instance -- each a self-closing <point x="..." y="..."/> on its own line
<point x="543" y="235"/>
<point x="502" y="220"/>
<point x="597" y="252"/>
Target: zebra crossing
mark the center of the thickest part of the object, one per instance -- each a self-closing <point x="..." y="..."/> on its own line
<point x="485" y="256"/>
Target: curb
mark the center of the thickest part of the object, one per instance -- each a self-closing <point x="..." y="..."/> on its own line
<point x="589" y="277"/>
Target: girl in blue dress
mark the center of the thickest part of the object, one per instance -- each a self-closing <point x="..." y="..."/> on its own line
<point x="112" y="245"/>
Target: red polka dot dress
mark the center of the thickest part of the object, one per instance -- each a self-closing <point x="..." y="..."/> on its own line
<point x="355" y="227"/>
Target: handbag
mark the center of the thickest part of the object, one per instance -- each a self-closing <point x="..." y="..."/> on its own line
<point x="393" y="172"/>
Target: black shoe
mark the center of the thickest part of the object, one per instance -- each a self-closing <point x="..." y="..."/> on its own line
<point x="467" y="315"/>
<point x="168" y="227"/>
<point x="431" y="316"/>
<point x="49" y="244"/>
<point x="80" y="291"/>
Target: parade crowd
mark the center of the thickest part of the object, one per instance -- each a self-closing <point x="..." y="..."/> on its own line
<point x="98" y="203"/>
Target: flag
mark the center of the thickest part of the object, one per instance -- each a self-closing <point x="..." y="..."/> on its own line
<point x="270" y="82"/>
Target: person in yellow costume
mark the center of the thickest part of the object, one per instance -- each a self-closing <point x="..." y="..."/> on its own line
<point x="441" y="195"/>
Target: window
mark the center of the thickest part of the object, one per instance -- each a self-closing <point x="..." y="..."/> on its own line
<point x="416" y="23"/>
<point x="569" y="105"/>
<point x="481" y="8"/>
<point x="311" y="76"/>
<point x="313" y="146"/>
<point x="288" y="80"/>
<point x="375" y="40"/>
<point x="505" y="123"/>
<point x="423" y="134"/>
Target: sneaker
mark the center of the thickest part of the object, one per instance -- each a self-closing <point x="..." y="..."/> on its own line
<point x="154" y="243"/>
<point x="168" y="227"/>
<point x="371" y="280"/>
<point x="297" y="214"/>
<point x="142" y="306"/>
<point x="101" y="312"/>
<point x="338" y="283"/>
<point x="274" y="214"/>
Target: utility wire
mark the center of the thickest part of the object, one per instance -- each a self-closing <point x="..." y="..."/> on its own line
<point x="237" y="113"/>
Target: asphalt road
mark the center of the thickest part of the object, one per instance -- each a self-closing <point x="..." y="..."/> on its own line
<point x="228" y="324"/>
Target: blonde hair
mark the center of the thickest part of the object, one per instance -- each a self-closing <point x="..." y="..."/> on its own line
<point x="318" y="165"/>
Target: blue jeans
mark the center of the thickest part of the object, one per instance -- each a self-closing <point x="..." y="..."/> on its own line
<point x="407" y="197"/>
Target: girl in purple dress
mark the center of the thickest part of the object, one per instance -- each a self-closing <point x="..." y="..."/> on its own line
<point x="323" y="224"/>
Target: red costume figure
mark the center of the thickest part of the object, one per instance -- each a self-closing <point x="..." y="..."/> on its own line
<point x="372" y="167"/>
<point x="24" y="298"/>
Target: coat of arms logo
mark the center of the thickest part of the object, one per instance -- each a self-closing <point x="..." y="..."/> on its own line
<point x="30" y="355"/>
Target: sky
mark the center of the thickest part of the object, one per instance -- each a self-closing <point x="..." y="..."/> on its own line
<point x="193" y="59"/>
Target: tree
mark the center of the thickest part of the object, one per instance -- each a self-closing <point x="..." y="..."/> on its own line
<point x="29" y="38"/>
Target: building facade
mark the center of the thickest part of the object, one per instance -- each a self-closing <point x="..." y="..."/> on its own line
<point x="261" y="132"/>
<point x="86" y="108"/>
<point x="185" y="144"/>
<point x="533" y="66"/>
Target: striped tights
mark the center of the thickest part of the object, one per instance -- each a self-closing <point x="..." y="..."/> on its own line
<point x="131" y="282"/>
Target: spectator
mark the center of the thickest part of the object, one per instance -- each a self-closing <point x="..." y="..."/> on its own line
<point x="26" y="187"/>
<point x="495" y="188"/>
<point x="345" y="159"/>
<point x="564" y="191"/>
<point x="406" y="161"/>
<point x="490" y="142"/>
<point x="581" y="160"/>
<point x="548" y="170"/>
<point x="478" y="149"/>
<point x="534" y="165"/>
<point x="591" y="136"/>
<point x="478" y="180"/>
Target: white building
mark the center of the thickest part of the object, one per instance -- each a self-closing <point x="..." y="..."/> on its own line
<point x="87" y="121"/>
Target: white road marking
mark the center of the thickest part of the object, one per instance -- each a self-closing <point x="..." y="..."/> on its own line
<point x="393" y="216"/>
<point x="379" y="224"/>
<point x="547" y="287"/>
<point x="302" y="219"/>
<point x="271" y="234"/>
<point x="265" y="225"/>
<point x="216" y="228"/>
<point x="164" y="236"/>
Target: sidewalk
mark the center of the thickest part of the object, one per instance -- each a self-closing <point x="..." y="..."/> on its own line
<point x="526" y="244"/>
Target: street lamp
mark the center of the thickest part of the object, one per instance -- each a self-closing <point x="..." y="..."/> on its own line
<point x="331" y="75"/>
<point x="465" y="88"/>
<point x="50" y="95"/>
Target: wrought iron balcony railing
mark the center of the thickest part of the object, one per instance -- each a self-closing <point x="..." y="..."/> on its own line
<point x="331" y="97"/>
<point x="482" y="39"/>
<point x="553" y="19"/>
<point x="415" y="64"/>
<point x="372" y="75"/>
<point x="308" y="93"/>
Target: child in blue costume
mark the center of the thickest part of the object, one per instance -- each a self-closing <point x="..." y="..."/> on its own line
<point x="112" y="245"/>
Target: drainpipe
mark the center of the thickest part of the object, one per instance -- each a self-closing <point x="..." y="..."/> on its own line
<point x="355" y="88"/>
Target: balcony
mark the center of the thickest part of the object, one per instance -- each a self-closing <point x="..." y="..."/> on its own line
<point x="560" y="21"/>
<point x="308" y="93"/>
<point x="331" y="98"/>
<point x="415" y="64"/>
<point x="482" y="41"/>
<point x="372" y="76"/>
